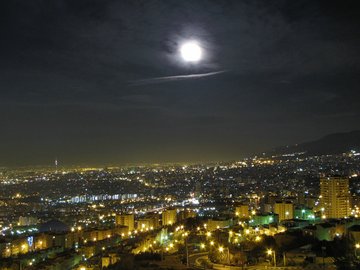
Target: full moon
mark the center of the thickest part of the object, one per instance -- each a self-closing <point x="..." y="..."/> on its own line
<point x="191" y="51"/>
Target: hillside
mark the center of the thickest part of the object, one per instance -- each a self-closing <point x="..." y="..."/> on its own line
<point x="335" y="143"/>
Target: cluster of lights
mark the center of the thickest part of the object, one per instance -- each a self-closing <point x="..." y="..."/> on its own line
<point x="20" y="231"/>
<point x="73" y="229"/>
<point x="355" y="212"/>
<point x="178" y="228"/>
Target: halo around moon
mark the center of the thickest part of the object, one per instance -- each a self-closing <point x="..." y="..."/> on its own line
<point x="191" y="51"/>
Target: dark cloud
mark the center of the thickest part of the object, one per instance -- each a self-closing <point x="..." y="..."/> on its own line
<point x="293" y="75"/>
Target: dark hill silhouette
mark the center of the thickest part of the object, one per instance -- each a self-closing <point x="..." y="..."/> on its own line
<point x="335" y="143"/>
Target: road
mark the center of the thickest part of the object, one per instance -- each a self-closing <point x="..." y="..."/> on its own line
<point x="194" y="259"/>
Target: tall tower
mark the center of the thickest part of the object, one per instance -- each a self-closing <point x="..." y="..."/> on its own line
<point x="334" y="197"/>
<point x="56" y="165"/>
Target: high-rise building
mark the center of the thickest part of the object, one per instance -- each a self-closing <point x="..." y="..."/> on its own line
<point x="334" y="197"/>
<point x="284" y="209"/>
<point x="126" y="220"/>
<point x="169" y="217"/>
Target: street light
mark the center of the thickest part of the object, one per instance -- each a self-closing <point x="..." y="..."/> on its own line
<point x="221" y="249"/>
<point x="186" y="248"/>
<point x="357" y="246"/>
<point x="269" y="252"/>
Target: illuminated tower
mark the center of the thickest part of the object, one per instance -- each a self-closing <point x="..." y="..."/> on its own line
<point x="334" y="197"/>
<point x="56" y="164"/>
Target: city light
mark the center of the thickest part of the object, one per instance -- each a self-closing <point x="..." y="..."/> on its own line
<point x="272" y="252"/>
<point x="142" y="220"/>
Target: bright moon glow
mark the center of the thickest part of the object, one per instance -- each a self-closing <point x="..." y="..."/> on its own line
<point x="191" y="51"/>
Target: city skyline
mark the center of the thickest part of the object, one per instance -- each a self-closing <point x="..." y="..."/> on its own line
<point x="179" y="135"/>
<point x="97" y="82"/>
<point x="237" y="214"/>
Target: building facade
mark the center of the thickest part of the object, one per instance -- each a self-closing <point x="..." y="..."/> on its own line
<point x="284" y="209"/>
<point x="334" y="197"/>
<point x="242" y="211"/>
<point x="126" y="220"/>
<point x="169" y="217"/>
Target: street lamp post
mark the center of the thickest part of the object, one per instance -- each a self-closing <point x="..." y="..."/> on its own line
<point x="272" y="252"/>
<point x="185" y="235"/>
<point x="187" y="252"/>
<point x="221" y="249"/>
<point x="228" y="255"/>
<point x="284" y="259"/>
<point x="323" y="248"/>
<point x="357" y="246"/>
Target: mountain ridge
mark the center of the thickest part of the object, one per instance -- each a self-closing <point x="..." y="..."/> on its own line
<point x="334" y="143"/>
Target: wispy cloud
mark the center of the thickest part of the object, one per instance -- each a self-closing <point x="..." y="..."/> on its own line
<point x="174" y="78"/>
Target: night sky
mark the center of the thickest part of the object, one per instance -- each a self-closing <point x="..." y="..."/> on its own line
<point x="100" y="82"/>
